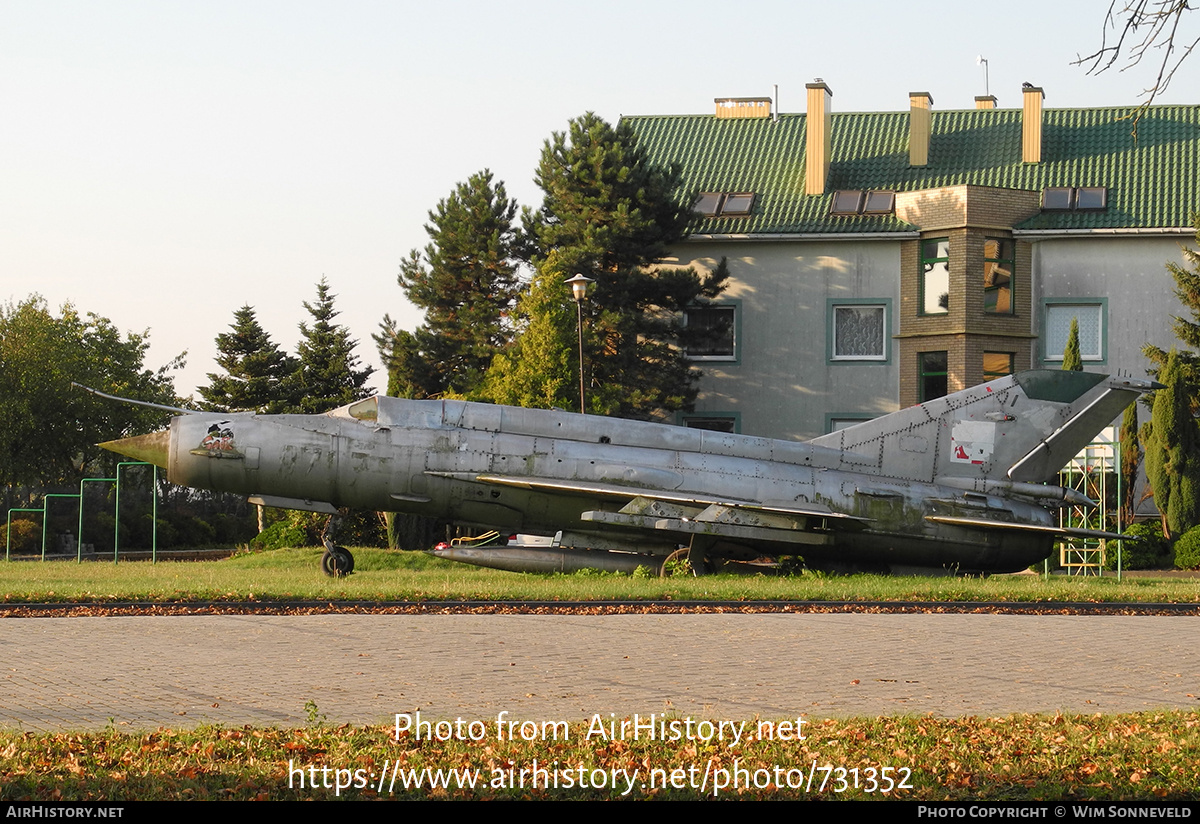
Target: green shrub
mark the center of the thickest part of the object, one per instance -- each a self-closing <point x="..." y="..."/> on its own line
<point x="1187" y="549"/>
<point x="25" y="535"/>
<point x="1150" y="551"/>
<point x="279" y="535"/>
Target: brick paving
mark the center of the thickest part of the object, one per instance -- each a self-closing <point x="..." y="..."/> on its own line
<point x="147" y="672"/>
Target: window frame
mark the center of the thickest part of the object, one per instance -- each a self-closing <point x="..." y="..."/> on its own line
<point x="727" y="211"/>
<point x="733" y="417"/>
<point x="721" y="204"/>
<point x="716" y="209"/>
<point x="922" y="374"/>
<point x="848" y="418"/>
<point x="1073" y="194"/>
<point x="734" y="306"/>
<point x="1101" y="191"/>
<point x="922" y="271"/>
<point x="1101" y="307"/>
<point x="1012" y="274"/>
<point x="831" y="307"/>
<point x="992" y="376"/>
<point x="853" y="202"/>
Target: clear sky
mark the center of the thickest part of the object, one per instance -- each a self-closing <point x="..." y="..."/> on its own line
<point x="164" y="162"/>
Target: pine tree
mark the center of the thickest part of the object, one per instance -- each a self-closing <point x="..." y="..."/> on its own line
<point x="610" y="214"/>
<point x="1172" y="443"/>
<point x="466" y="281"/>
<point x="1072" y="359"/>
<point x="328" y="374"/>
<point x="256" y="370"/>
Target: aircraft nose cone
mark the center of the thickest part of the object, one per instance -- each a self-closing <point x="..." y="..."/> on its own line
<point x="153" y="448"/>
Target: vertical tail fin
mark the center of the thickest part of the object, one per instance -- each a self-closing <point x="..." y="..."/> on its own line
<point x="1023" y="428"/>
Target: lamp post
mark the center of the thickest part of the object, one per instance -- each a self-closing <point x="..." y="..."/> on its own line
<point x="579" y="287"/>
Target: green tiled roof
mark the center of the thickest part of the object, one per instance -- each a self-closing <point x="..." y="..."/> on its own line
<point x="1152" y="182"/>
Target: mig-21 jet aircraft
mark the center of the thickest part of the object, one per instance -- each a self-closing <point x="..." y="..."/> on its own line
<point x="960" y="484"/>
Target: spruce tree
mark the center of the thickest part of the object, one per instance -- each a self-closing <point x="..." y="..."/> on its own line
<point x="256" y="370"/>
<point x="1187" y="289"/>
<point x="328" y="374"/>
<point x="466" y="281"/>
<point x="1131" y="457"/>
<point x="1072" y="359"/>
<point x="610" y="214"/>
<point x="1172" y="443"/>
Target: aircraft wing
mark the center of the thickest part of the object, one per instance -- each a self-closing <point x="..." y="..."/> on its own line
<point x="987" y="523"/>
<point x="688" y="513"/>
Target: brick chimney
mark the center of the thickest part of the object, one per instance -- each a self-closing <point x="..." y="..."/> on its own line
<point x="920" y="120"/>
<point x="817" y="138"/>
<point x="1031" y="125"/>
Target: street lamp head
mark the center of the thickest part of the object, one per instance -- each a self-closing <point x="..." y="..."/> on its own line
<point x="579" y="287"/>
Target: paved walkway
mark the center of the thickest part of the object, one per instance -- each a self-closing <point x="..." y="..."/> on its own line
<point x="146" y="672"/>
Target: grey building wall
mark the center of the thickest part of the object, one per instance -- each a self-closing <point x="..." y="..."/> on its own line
<point x="783" y="381"/>
<point x="1126" y="278"/>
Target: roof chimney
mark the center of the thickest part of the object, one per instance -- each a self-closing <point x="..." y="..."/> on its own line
<point x="818" y="148"/>
<point x="731" y="107"/>
<point x="920" y="120"/>
<point x="985" y="101"/>
<point x="1031" y="125"/>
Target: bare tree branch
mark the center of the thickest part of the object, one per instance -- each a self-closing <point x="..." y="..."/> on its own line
<point x="1139" y="27"/>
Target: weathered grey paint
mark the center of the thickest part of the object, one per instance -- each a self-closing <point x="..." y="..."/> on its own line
<point x="953" y="483"/>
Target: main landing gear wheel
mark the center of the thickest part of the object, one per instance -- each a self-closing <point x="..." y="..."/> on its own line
<point x="337" y="562"/>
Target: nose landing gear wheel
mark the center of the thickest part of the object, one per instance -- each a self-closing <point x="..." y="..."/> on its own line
<point x="337" y="562"/>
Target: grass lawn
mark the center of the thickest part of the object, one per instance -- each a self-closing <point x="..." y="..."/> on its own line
<point x="384" y="575"/>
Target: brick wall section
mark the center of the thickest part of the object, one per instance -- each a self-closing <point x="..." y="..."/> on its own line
<point x="967" y="215"/>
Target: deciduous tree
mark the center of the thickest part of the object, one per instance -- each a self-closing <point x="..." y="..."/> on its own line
<point x="48" y="428"/>
<point x="1134" y="29"/>
<point x="540" y="370"/>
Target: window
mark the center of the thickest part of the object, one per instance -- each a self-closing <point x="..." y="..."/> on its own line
<point x="1056" y="199"/>
<point x="858" y="202"/>
<point x="713" y="422"/>
<point x="1091" y="198"/>
<point x="1091" y="317"/>
<point x="998" y="260"/>
<point x="738" y="204"/>
<point x="1080" y="198"/>
<point x="711" y="332"/>
<point x="724" y="204"/>
<point x="935" y="277"/>
<point x="859" y="331"/>
<point x="997" y="365"/>
<point x="708" y="204"/>
<point x="879" y="203"/>
<point x="847" y="202"/>
<point x="934" y="374"/>
<point x="835" y="422"/>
